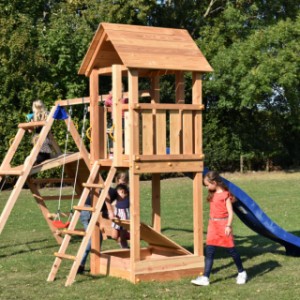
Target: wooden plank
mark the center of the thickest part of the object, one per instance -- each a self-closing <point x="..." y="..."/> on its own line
<point x="198" y="213"/>
<point x="171" y="263"/>
<point x="168" y="106"/>
<point x="197" y="99"/>
<point x="84" y="208"/>
<point x="159" y="61"/>
<point x="168" y="167"/>
<point x="31" y="125"/>
<point x="187" y="132"/>
<point x="126" y="132"/>
<point x="65" y="256"/>
<point x="175" y="132"/>
<point x="161" y="132"/>
<point x="55" y="162"/>
<point x="73" y="232"/>
<point x="167" y="157"/>
<point x="93" y="185"/>
<point x="156" y="211"/>
<point x="117" y="114"/>
<point x="133" y="178"/>
<point x="94" y="117"/>
<point x="147" y="132"/>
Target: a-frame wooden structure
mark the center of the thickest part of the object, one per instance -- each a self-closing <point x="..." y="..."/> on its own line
<point x="137" y="51"/>
<point x="25" y="171"/>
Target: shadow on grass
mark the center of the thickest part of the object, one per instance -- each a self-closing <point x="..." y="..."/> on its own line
<point x="28" y="245"/>
<point x="255" y="271"/>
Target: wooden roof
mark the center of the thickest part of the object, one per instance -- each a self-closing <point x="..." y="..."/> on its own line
<point x="143" y="47"/>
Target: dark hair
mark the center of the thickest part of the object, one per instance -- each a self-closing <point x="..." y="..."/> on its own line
<point x="123" y="187"/>
<point x="215" y="176"/>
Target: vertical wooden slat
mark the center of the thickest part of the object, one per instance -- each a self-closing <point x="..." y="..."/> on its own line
<point x="147" y="132"/>
<point x="117" y="113"/>
<point x="161" y="132"/>
<point x="175" y="131"/>
<point x="197" y="99"/>
<point x="126" y="132"/>
<point x="187" y="132"/>
<point x="102" y="132"/>
<point x="156" y="213"/>
<point x="134" y="179"/>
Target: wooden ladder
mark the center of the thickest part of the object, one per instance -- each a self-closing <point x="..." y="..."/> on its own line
<point x="96" y="210"/>
<point x="22" y="171"/>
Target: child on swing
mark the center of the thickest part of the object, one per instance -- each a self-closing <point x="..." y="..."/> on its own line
<point x="219" y="232"/>
<point x="40" y="114"/>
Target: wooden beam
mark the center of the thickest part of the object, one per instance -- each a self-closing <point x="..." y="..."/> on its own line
<point x="156" y="212"/>
<point x="166" y="106"/>
<point x="94" y="116"/>
<point x="167" y="167"/>
<point x="117" y="113"/>
<point x="133" y="178"/>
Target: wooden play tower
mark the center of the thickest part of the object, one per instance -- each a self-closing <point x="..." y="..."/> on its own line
<point x="142" y="133"/>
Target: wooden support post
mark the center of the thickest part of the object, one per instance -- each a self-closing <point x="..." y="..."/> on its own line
<point x="117" y="113"/>
<point x="156" y="214"/>
<point x="95" y="155"/>
<point x="94" y="116"/>
<point x="95" y="244"/>
<point x="197" y="182"/>
<point x="160" y="137"/>
<point x="134" y="178"/>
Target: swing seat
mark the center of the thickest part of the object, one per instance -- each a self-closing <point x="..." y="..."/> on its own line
<point x="60" y="224"/>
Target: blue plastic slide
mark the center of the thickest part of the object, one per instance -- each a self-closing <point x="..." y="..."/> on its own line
<point x="254" y="217"/>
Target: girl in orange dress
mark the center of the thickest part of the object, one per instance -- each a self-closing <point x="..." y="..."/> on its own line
<point x="219" y="232"/>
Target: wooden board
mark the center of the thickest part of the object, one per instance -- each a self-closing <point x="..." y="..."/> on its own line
<point x="154" y="238"/>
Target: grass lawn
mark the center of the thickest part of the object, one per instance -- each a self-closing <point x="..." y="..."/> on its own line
<point x="26" y="248"/>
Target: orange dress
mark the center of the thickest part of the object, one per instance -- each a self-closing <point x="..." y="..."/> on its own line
<point x="218" y="218"/>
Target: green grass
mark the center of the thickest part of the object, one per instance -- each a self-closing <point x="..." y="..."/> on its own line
<point x="26" y="248"/>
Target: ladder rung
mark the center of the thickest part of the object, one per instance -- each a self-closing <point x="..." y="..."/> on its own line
<point x="93" y="185"/>
<point x="66" y="256"/>
<point x="84" y="208"/>
<point x="73" y="232"/>
<point x="32" y="124"/>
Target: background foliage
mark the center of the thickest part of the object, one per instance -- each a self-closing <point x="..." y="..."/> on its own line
<point x="252" y="97"/>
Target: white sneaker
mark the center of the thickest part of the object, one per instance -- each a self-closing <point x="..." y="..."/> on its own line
<point x="241" y="278"/>
<point x="200" y="280"/>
